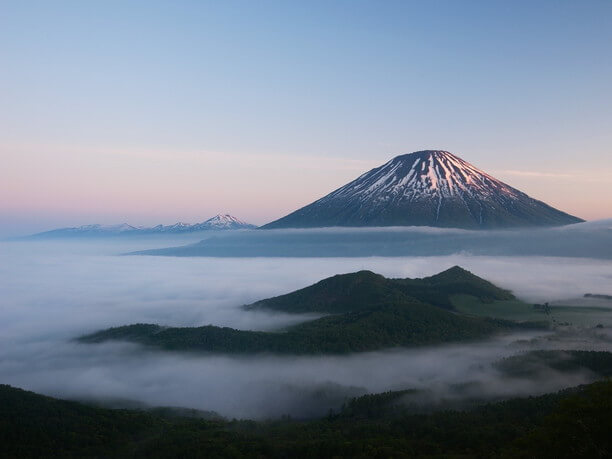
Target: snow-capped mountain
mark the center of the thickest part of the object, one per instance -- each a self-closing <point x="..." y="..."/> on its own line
<point x="222" y="222"/>
<point x="218" y="222"/>
<point x="426" y="188"/>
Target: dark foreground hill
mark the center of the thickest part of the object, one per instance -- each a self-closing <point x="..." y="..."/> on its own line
<point x="426" y="188"/>
<point x="367" y="312"/>
<point x="569" y="424"/>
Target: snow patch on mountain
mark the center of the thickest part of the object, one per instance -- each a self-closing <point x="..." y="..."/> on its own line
<point x="223" y="221"/>
<point x="424" y="174"/>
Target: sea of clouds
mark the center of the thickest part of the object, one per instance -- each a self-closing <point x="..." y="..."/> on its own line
<point x="53" y="291"/>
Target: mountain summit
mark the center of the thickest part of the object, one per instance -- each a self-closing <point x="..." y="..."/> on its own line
<point x="426" y="188"/>
<point x="223" y="221"/>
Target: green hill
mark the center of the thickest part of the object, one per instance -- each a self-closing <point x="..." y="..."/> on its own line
<point x="361" y="290"/>
<point x="369" y="312"/>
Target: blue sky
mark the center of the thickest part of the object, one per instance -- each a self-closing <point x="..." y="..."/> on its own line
<point x="162" y="111"/>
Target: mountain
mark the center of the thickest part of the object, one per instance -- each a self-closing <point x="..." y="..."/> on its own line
<point x="93" y="230"/>
<point x="426" y="188"/>
<point x="223" y="222"/>
<point x="361" y="290"/>
<point x="218" y="222"/>
<point x="366" y="312"/>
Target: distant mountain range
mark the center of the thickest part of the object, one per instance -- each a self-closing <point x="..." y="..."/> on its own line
<point x="218" y="222"/>
<point x="426" y="188"/>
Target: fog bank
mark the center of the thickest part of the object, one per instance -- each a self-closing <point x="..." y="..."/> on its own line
<point x="54" y="291"/>
<point x="589" y="239"/>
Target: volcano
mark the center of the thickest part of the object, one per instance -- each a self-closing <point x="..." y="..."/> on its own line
<point x="426" y="188"/>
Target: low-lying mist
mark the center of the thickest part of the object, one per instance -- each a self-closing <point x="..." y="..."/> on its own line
<point x="55" y="291"/>
<point x="271" y="386"/>
<point x="588" y="239"/>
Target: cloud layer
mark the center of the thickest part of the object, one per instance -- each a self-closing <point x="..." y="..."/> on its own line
<point x="589" y="239"/>
<point x="55" y="291"/>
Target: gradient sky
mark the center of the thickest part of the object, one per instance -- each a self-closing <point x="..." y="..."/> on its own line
<point x="154" y="112"/>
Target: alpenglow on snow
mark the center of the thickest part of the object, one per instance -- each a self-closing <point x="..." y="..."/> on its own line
<point x="426" y="188"/>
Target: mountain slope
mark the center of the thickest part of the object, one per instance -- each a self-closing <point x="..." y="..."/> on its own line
<point x="218" y="222"/>
<point x="426" y="188"/>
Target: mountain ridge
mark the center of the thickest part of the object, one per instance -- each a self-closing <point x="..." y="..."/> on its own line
<point x="218" y="222"/>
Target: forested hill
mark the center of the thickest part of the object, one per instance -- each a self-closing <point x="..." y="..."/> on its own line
<point x="364" y="289"/>
<point x="368" y="312"/>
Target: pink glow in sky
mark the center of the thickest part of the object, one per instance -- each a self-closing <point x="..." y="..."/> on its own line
<point x="49" y="186"/>
<point x="115" y="112"/>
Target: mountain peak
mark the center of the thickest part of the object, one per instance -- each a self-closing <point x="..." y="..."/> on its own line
<point x="437" y="172"/>
<point x="422" y="154"/>
<point x="426" y="188"/>
<point x="455" y="273"/>
<point x="224" y="218"/>
<point x="224" y="221"/>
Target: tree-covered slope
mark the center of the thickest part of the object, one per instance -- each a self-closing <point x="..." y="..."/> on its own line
<point x="399" y="324"/>
<point x="33" y="425"/>
<point x="569" y="424"/>
<point x="337" y="294"/>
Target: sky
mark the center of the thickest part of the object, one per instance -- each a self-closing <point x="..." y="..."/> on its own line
<point x="155" y="112"/>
